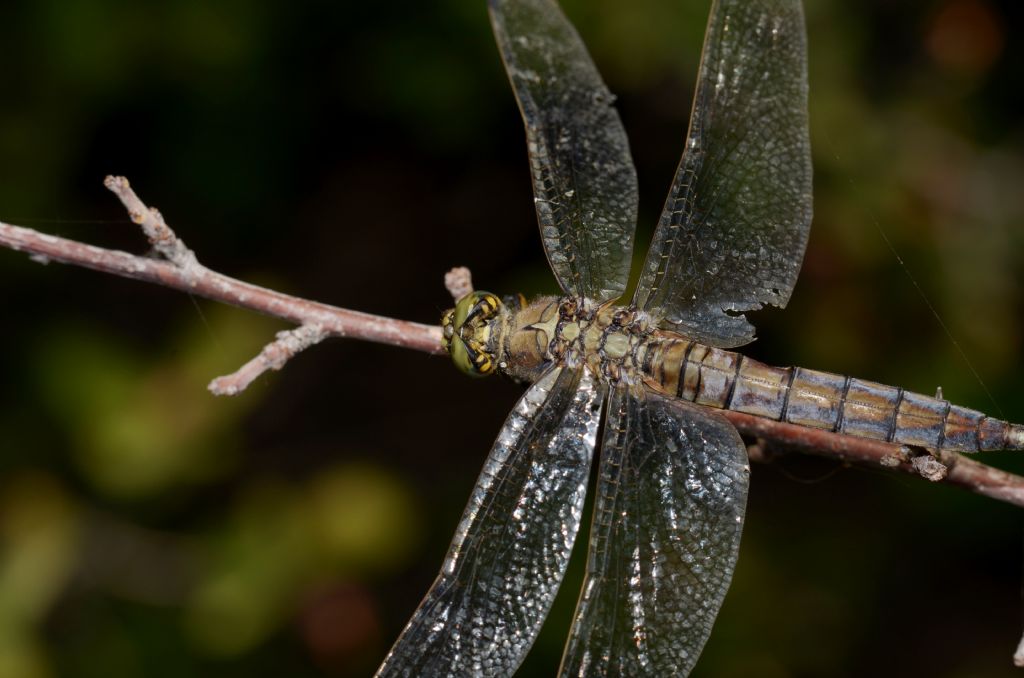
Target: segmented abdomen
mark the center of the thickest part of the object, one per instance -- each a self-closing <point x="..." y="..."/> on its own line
<point x="727" y="380"/>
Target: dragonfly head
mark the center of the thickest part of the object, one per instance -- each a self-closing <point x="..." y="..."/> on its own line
<point x="469" y="333"/>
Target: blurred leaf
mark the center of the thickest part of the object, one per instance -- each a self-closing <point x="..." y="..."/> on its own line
<point x="351" y="519"/>
<point x="364" y="519"/>
<point x="140" y="429"/>
<point x="38" y="542"/>
<point x="38" y="528"/>
<point x="258" y="558"/>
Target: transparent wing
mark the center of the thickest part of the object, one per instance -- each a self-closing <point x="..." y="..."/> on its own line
<point x="669" y="511"/>
<point x="733" y="231"/>
<point x="584" y="183"/>
<point x="511" y="548"/>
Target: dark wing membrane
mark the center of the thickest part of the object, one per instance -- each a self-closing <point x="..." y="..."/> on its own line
<point x="511" y="548"/>
<point x="668" y="514"/>
<point x="733" y="232"/>
<point x="584" y="183"/>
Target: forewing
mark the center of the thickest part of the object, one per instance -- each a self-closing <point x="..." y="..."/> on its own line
<point x="509" y="553"/>
<point x="584" y="183"/>
<point x="734" y="228"/>
<point x="668" y="514"/>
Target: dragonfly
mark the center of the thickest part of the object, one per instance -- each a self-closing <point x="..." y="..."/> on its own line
<point x="673" y="473"/>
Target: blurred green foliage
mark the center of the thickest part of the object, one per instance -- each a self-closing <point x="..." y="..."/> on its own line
<point x="351" y="153"/>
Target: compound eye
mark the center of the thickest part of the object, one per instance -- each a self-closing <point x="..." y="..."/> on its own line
<point x="469" y="358"/>
<point x="474" y="308"/>
<point x="460" y="356"/>
<point x="485" y="306"/>
<point x="485" y="365"/>
<point x="464" y="332"/>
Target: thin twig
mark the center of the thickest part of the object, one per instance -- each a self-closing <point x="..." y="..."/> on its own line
<point x="274" y="356"/>
<point x="458" y="282"/>
<point x="316" y="320"/>
<point x="201" y="281"/>
<point x="159" y="234"/>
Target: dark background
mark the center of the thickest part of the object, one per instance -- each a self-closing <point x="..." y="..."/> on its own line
<point x="352" y="152"/>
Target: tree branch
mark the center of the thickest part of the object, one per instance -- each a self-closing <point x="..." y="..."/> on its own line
<point x="274" y="356"/>
<point x="178" y="268"/>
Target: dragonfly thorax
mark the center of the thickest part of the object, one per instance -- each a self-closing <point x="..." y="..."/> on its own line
<point x="608" y="339"/>
<point x="485" y="336"/>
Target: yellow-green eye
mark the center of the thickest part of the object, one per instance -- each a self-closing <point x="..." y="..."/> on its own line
<point x="467" y="333"/>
